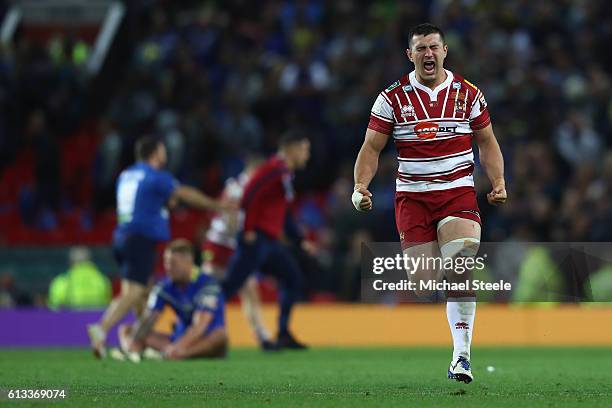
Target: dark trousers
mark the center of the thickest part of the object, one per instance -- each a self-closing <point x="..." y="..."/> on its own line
<point x="270" y="257"/>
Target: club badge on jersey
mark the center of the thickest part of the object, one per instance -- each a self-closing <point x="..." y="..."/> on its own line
<point x="407" y="111"/>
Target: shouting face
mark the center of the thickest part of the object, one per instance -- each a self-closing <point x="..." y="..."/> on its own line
<point x="427" y="53"/>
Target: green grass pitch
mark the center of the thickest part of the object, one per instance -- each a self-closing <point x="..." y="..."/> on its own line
<point x="334" y="377"/>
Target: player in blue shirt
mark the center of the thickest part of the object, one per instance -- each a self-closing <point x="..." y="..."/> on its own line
<point x="144" y="194"/>
<point x="196" y="299"/>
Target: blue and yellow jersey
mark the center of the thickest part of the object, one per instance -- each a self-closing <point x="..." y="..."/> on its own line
<point x="203" y="293"/>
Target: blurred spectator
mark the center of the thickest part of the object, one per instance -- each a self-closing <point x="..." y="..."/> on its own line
<point x="539" y="278"/>
<point x="167" y="128"/>
<point x="577" y="142"/>
<point x="108" y="164"/>
<point x="240" y="129"/>
<point x="10" y="294"/>
<point x="305" y="80"/>
<point x="7" y="295"/>
<point x="349" y="267"/>
<point x="600" y="285"/>
<point x="83" y="286"/>
<point x="47" y="160"/>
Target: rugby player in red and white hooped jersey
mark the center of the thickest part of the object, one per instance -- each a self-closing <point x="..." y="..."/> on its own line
<point x="433" y="115"/>
<point x="220" y="245"/>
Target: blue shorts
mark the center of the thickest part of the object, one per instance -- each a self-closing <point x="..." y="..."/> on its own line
<point x="135" y="255"/>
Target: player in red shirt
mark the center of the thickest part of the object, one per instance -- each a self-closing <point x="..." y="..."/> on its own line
<point x="433" y="115"/>
<point x="265" y="203"/>
<point x="219" y="246"/>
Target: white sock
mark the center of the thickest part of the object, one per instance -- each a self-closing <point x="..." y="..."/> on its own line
<point x="262" y="333"/>
<point x="460" y="313"/>
<point x="96" y="333"/>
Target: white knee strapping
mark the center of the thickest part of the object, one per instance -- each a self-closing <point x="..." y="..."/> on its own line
<point x="444" y="221"/>
<point x="464" y="247"/>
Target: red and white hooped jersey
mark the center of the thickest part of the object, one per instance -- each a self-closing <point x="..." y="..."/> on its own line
<point x="432" y="130"/>
<point x="223" y="227"/>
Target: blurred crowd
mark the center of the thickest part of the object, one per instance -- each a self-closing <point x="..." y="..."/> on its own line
<point x="220" y="80"/>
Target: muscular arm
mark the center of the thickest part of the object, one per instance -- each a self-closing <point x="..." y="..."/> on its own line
<point x="493" y="163"/>
<point x="201" y="319"/>
<point x="366" y="165"/>
<point x="194" y="198"/>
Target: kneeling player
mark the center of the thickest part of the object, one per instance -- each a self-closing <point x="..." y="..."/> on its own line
<point x="196" y="299"/>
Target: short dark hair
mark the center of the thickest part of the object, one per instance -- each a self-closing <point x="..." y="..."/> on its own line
<point x="180" y="246"/>
<point x="145" y="147"/>
<point x="292" y="136"/>
<point x="425" y="29"/>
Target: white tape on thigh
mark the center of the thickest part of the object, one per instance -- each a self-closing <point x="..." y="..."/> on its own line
<point x="356" y="198"/>
<point x="445" y="220"/>
<point x="465" y="247"/>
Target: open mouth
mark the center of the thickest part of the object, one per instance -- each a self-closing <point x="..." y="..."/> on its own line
<point x="429" y="67"/>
